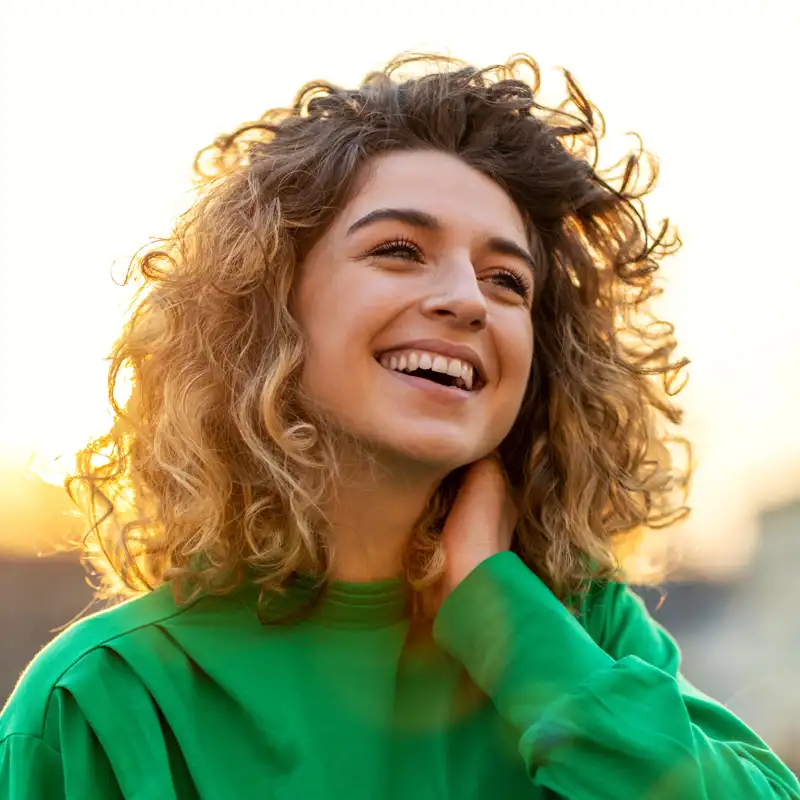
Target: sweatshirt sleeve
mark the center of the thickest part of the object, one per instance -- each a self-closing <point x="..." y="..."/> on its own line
<point x="65" y="763"/>
<point x="30" y="769"/>
<point x="61" y="760"/>
<point x="603" y="716"/>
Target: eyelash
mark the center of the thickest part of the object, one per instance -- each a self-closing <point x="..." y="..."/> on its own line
<point x="522" y="284"/>
<point x="391" y="249"/>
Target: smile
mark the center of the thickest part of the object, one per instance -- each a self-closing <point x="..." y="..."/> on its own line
<point x="432" y="371"/>
<point x="436" y="391"/>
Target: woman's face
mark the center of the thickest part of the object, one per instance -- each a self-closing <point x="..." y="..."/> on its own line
<point x="422" y="286"/>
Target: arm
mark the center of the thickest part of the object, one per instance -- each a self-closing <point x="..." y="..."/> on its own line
<point x="610" y="719"/>
<point x="62" y="760"/>
<point x="30" y="769"/>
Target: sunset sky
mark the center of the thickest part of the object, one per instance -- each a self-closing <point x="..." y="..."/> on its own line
<point x="104" y="104"/>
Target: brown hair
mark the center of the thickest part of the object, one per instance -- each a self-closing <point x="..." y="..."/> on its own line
<point x="213" y="466"/>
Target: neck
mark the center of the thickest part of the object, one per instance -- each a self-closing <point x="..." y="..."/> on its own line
<point x="372" y="517"/>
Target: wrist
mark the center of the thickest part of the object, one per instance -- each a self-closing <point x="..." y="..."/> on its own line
<point x="461" y="568"/>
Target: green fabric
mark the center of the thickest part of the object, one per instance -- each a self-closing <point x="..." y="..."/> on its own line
<point x="506" y="696"/>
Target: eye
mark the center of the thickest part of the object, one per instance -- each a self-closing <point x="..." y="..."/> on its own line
<point x="511" y="280"/>
<point x="403" y="249"/>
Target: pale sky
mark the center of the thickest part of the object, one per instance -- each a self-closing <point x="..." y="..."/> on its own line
<point x="104" y="104"/>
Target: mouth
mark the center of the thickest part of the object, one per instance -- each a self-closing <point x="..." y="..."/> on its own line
<point x="455" y="374"/>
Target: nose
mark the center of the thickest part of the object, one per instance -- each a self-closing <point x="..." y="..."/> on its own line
<point x="456" y="297"/>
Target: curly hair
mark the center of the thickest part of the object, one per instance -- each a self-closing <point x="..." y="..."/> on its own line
<point x="215" y="469"/>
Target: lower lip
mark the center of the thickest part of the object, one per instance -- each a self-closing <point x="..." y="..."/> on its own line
<point x="450" y="394"/>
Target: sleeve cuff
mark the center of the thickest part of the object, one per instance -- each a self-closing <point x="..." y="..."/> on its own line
<point x="520" y="645"/>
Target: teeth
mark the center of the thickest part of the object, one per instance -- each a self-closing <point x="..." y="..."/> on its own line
<point x="439" y="364"/>
<point x="411" y="361"/>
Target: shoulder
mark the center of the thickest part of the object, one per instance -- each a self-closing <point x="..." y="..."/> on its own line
<point x="610" y="603"/>
<point x="603" y="602"/>
<point x="83" y="645"/>
<point x="616" y="617"/>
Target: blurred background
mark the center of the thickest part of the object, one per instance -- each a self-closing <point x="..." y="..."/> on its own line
<point x="104" y="104"/>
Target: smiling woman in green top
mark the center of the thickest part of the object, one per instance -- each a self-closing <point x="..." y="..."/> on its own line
<point x="397" y="410"/>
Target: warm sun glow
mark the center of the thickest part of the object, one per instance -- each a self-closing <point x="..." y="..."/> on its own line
<point x="100" y="127"/>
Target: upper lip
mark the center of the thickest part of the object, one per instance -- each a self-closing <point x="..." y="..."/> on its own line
<point x="449" y="349"/>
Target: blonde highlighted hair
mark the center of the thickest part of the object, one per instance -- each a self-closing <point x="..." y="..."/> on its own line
<point x="215" y="467"/>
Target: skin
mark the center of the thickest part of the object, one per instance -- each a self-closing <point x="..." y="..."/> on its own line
<point x="367" y="287"/>
<point x="480" y="523"/>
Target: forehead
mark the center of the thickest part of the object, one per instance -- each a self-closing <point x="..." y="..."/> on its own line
<point x="439" y="183"/>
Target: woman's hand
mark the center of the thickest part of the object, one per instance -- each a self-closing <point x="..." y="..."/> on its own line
<point x="480" y="523"/>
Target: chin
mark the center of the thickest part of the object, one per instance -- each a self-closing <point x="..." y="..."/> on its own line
<point x="440" y="455"/>
<point x="403" y="444"/>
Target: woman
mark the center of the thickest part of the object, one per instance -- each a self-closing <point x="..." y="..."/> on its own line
<point x="397" y="408"/>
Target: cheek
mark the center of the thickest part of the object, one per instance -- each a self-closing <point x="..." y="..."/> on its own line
<point x="325" y="355"/>
<point x="517" y="355"/>
<point x="338" y="337"/>
<point x="317" y="320"/>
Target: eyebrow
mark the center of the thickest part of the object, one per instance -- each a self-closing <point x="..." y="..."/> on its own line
<point x="422" y="219"/>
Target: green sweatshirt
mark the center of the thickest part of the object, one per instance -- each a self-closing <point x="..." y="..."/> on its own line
<point x="506" y="696"/>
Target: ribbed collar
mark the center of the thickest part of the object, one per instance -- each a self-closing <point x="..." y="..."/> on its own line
<point x="345" y="604"/>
